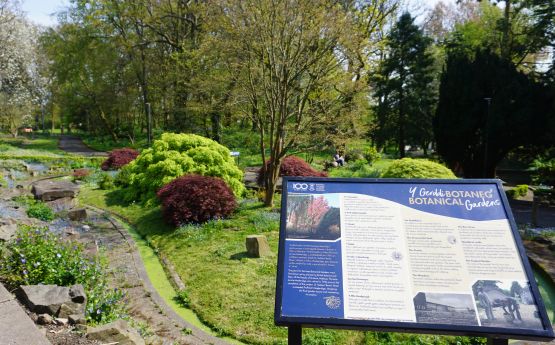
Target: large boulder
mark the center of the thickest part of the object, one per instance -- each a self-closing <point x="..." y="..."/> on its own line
<point x="60" y="301"/>
<point x="48" y="190"/>
<point x="118" y="332"/>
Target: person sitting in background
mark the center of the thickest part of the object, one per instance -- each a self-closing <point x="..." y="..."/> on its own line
<point x="339" y="159"/>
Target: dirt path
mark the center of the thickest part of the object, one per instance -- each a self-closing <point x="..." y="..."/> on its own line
<point x="76" y="146"/>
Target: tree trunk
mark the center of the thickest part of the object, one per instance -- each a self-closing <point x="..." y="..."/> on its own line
<point x="271" y="177"/>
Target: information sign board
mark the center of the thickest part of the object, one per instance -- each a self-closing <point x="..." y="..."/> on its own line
<point x="424" y="256"/>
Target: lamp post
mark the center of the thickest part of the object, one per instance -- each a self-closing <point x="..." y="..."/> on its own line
<point x="149" y="123"/>
<point x="486" y="132"/>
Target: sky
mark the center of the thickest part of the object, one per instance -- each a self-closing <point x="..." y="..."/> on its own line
<point x="39" y="11"/>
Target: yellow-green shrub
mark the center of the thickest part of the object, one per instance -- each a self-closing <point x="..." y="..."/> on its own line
<point x="175" y="155"/>
<point x="417" y="168"/>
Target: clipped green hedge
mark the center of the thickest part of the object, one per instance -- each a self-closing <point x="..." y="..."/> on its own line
<point x="175" y="155"/>
<point x="417" y="168"/>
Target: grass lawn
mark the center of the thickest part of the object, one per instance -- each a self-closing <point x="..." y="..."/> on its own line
<point x="43" y="149"/>
<point x="230" y="292"/>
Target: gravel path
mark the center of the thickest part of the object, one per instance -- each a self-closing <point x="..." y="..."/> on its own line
<point x="76" y="146"/>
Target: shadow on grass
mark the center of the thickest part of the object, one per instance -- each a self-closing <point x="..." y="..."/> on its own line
<point x="239" y="256"/>
<point x="146" y="219"/>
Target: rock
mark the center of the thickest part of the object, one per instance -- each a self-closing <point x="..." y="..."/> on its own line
<point x="44" y="319"/>
<point x="48" y="190"/>
<point x="67" y="309"/>
<point x="77" y="214"/>
<point x="81" y="328"/>
<point x="77" y="319"/>
<point x="52" y="299"/>
<point x="8" y="229"/>
<point x="86" y="227"/>
<point x="61" y="321"/>
<point x="62" y="204"/>
<point x="117" y="331"/>
<point x="77" y="294"/>
<point x="257" y="246"/>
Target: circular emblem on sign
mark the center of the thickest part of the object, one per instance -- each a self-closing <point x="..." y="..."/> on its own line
<point x="300" y="186"/>
<point x="333" y="302"/>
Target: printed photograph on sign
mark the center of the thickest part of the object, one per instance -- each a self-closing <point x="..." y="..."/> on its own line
<point x="313" y="217"/>
<point x="506" y="304"/>
<point x="445" y="308"/>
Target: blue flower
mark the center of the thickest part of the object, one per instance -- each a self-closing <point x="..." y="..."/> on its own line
<point x="23" y="261"/>
<point x="98" y="311"/>
<point x="25" y="272"/>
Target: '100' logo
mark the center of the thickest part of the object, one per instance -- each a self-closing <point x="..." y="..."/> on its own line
<point x="298" y="186"/>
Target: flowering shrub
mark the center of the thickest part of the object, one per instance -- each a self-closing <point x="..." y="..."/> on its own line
<point x="175" y="155"/>
<point x="37" y="256"/>
<point x="118" y="158"/>
<point x="196" y="199"/>
<point x="417" y="168"/>
<point x="294" y="166"/>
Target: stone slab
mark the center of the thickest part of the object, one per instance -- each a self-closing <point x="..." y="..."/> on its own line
<point x="16" y="328"/>
<point x="48" y="190"/>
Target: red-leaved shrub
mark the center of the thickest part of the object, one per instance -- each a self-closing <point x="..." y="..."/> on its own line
<point x="79" y="174"/>
<point x="119" y="158"/>
<point x="294" y="166"/>
<point x="196" y="199"/>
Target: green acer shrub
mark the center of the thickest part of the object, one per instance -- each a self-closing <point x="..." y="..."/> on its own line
<point x="417" y="168"/>
<point x="175" y="155"/>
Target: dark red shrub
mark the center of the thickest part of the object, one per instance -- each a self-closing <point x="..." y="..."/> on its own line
<point x="196" y="199"/>
<point x="294" y="166"/>
<point x="79" y="174"/>
<point x="119" y="158"/>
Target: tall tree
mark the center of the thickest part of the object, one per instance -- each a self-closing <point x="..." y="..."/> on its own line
<point x="21" y="86"/>
<point x="486" y="108"/>
<point x="286" y="54"/>
<point x="404" y="88"/>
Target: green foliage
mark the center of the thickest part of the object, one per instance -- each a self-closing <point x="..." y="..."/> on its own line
<point x="37" y="256"/>
<point x="417" y="168"/>
<point x="518" y="112"/>
<point x="175" y="155"/>
<point x="517" y="192"/>
<point x="405" y="88"/>
<point x="544" y="171"/>
<point x="35" y="208"/>
<point x="183" y="298"/>
<point x="371" y="154"/>
<point x="40" y="211"/>
<point x="106" y="182"/>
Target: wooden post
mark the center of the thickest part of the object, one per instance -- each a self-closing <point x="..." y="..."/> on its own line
<point x="295" y="335"/>
<point x="496" y="341"/>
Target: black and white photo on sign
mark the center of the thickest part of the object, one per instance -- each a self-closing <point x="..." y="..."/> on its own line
<point x="506" y="303"/>
<point x="445" y="308"/>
